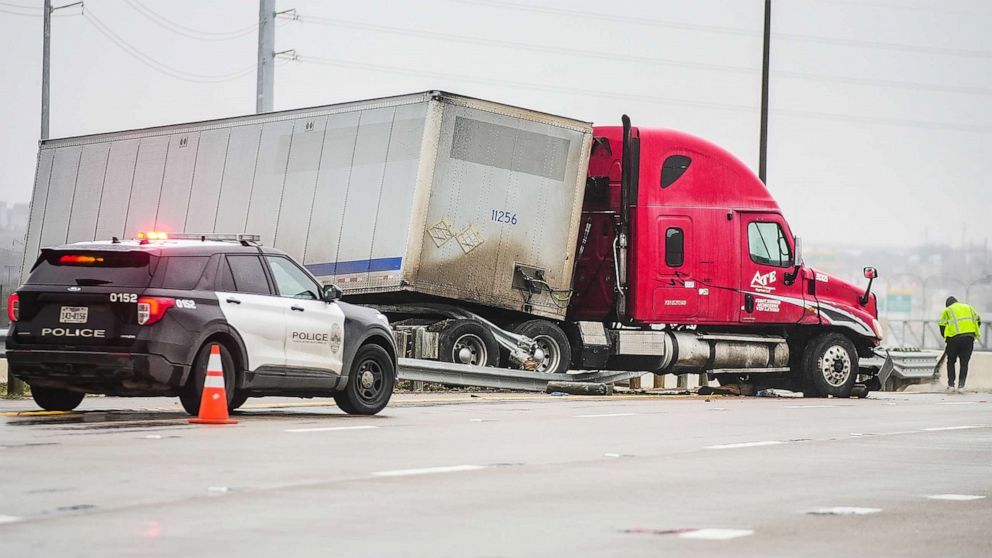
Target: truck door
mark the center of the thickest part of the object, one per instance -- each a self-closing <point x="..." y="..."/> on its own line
<point x="766" y="262"/>
<point x="675" y="298"/>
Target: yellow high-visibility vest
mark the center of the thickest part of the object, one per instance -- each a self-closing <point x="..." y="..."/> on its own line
<point x="960" y="318"/>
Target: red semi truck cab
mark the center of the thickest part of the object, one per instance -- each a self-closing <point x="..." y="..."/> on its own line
<point x="694" y="238"/>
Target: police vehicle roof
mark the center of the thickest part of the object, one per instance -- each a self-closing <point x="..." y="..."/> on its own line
<point x="168" y="247"/>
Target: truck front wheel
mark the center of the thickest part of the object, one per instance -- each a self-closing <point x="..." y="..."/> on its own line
<point x="829" y="366"/>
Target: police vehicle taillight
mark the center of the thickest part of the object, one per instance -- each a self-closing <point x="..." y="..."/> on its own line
<point x="14" y="307"/>
<point x="152" y="308"/>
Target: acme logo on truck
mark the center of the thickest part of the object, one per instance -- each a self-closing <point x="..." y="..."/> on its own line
<point x="763" y="283"/>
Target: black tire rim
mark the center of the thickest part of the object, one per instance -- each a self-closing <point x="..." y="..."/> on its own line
<point x="369" y="381"/>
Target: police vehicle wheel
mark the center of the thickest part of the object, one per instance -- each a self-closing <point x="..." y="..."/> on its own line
<point x="830" y="366"/>
<point x="467" y="341"/>
<point x="193" y="390"/>
<point x="238" y="400"/>
<point x="370" y="382"/>
<point x="52" y="399"/>
<point x="551" y="341"/>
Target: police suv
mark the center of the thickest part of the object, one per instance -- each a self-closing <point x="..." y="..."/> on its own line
<point x="138" y="317"/>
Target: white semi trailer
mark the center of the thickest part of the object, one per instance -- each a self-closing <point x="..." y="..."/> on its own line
<point x="430" y="205"/>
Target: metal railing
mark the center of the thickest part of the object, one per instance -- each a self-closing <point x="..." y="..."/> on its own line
<point x="925" y="334"/>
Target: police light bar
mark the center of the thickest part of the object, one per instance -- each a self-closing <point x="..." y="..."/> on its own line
<point x="232" y="237"/>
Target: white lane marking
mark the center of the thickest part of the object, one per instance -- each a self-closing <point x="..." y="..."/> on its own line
<point x="716" y="534"/>
<point x="943" y="428"/>
<point x="428" y="471"/>
<point x="957" y="403"/>
<point x="8" y="519"/>
<point x="843" y="510"/>
<point x="607" y="415"/>
<point x="956" y="497"/>
<point x="332" y="428"/>
<point x="746" y="445"/>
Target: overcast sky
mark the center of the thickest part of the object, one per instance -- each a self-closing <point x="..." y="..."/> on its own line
<point x="880" y="121"/>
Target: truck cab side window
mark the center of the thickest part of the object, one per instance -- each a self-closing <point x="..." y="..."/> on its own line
<point x="674" y="247"/>
<point x="768" y="245"/>
<point x="249" y="276"/>
<point x="673" y="168"/>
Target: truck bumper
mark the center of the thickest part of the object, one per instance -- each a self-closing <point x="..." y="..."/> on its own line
<point x="127" y="374"/>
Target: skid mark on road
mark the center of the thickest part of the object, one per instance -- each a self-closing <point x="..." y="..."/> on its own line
<point x="332" y="428"/>
<point x="428" y="471"/>
<point x="843" y="510"/>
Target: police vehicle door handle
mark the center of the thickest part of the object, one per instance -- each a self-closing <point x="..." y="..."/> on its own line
<point x="297" y="308"/>
<point x="233" y="300"/>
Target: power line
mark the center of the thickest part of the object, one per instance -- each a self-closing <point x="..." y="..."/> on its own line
<point x="611" y="17"/>
<point x="154" y="64"/>
<point x="189" y="32"/>
<point x="532" y="47"/>
<point x="816" y="115"/>
<point x="504" y="4"/>
<point x="9" y="12"/>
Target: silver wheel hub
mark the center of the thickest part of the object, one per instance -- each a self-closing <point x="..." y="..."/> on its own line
<point x="835" y="365"/>
<point x="470" y="349"/>
<point x="367" y="379"/>
<point x="547" y="354"/>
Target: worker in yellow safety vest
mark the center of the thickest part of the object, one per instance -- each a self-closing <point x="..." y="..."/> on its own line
<point x="959" y="324"/>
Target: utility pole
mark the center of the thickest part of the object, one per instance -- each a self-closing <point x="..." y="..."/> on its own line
<point x="763" y="142"/>
<point x="46" y="52"/>
<point x="266" y="55"/>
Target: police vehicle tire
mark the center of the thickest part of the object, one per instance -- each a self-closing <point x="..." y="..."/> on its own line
<point x="466" y="341"/>
<point x="830" y="366"/>
<point x="370" y="382"/>
<point x="192" y="392"/>
<point x="238" y="400"/>
<point x="552" y="340"/>
<point x="54" y="399"/>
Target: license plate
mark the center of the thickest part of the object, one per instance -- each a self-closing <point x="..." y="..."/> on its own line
<point x="74" y="314"/>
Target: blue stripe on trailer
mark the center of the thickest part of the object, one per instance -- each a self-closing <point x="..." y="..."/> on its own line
<point x="355" y="266"/>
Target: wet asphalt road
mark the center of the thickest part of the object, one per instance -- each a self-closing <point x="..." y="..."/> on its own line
<point x="503" y="475"/>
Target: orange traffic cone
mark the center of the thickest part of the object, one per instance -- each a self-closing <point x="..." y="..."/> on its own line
<point x="213" y="404"/>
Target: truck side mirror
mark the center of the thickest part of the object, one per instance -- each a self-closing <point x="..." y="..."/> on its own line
<point x="871" y="273"/>
<point x="797" y="261"/>
<point x="331" y="293"/>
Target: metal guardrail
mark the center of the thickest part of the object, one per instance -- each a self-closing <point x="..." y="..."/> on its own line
<point x="926" y="335"/>
<point x="902" y="368"/>
<point x="483" y="376"/>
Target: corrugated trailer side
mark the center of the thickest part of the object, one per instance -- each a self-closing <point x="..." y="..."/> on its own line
<point x="286" y="176"/>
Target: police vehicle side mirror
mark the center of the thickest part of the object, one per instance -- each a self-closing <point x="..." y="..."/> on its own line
<point x="331" y="293"/>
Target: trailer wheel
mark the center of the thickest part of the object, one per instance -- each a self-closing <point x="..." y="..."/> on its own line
<point x="53" y="399"/>
<point x="552" y="342"/>
<point x="830" y="366"/>
<point x="467" y="342"/>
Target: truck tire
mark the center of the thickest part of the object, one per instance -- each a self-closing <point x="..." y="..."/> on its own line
<point x="552" y="341"/>
<point x="370" y="382"/>
<point x="829" y="366"/>
<point x="53" y="399"/>
<point x="192" y="392"/>
<point x="467" y="341"/>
